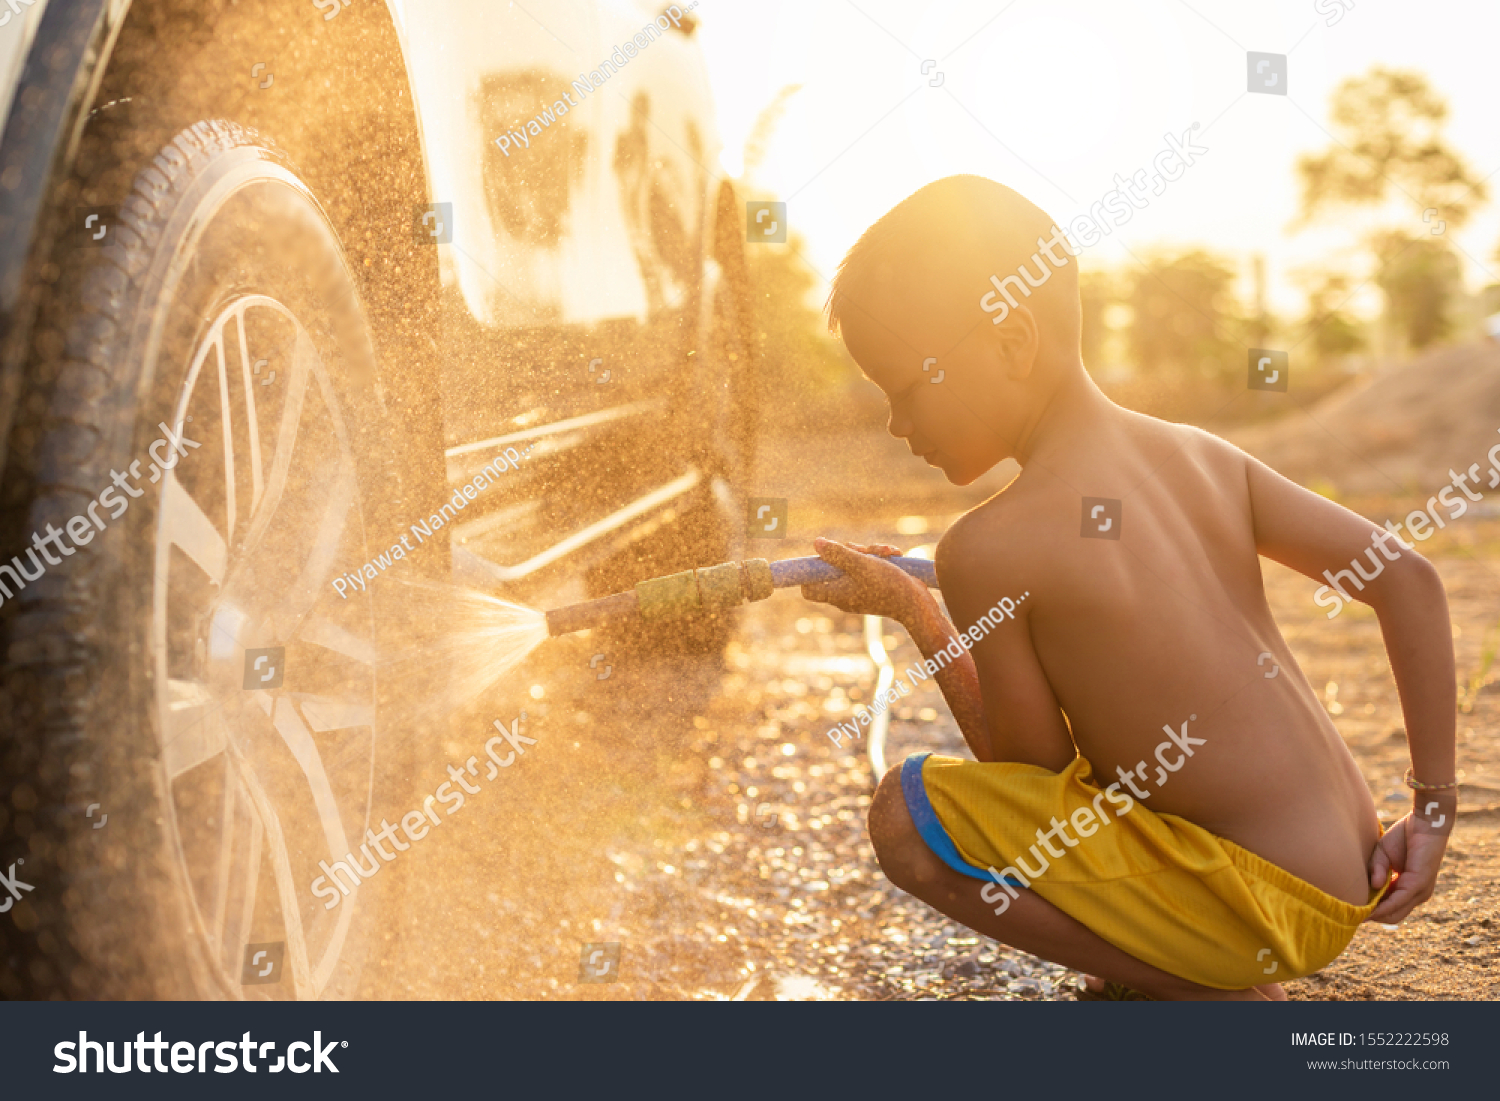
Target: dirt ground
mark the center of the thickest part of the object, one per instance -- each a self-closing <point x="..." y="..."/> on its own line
<point x="696" y="815"/>
<point x="1403" y="426"/>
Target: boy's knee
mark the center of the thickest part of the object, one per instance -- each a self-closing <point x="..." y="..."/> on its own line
<point x="903" y="855"/>
<point x="888" y="819"/>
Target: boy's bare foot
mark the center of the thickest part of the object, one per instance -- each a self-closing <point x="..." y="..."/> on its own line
<point x="1271" y="991"/>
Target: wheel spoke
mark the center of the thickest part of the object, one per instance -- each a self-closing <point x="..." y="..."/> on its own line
<point x="291" y="915"/>
<point x="322" y="550"/>
<point x="304" y="750"/>
<point x="249" y="876"/>
<point x="227" y="432"/>
<point x="286" y="437"/>
<point x="252" y="420"/>
<point x="324" y="713"/>
<point x="187" y="526"/>
<point x="194" y="731"/>
<point x="230" y="807"/>
<point x="271" y="566"/>
<point x="229" y="922"/>
<point x="329" y="635"/>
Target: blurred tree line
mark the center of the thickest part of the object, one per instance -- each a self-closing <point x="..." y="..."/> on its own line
<point x="1171" y="334"/>
<point x="1173" y="329"/>
<point x="803" y="365"/>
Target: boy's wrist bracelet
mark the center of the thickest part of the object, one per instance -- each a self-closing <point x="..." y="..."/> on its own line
<point x="1417" y="785"/>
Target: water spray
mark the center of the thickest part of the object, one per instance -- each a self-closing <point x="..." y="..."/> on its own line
<point x="710" y="589"/>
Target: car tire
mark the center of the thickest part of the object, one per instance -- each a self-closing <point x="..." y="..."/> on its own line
<point x="168" y="814"/>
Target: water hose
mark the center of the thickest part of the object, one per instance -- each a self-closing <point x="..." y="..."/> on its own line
<point x="881" y="725"/>
<point x="712" y="588"/>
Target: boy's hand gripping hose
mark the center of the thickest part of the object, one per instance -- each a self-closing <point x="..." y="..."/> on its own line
<point x="710" y="589"/>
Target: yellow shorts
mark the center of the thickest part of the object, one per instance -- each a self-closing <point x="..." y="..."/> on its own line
<point x="1157" y="886"/>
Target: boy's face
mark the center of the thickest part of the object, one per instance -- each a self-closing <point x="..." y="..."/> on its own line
<point x="961" y="413"/>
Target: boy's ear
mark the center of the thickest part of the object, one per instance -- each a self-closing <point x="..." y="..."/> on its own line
<point x="1014" y="343"/>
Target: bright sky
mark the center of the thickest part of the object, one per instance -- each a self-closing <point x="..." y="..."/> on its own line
<point x="1054" y="97"/>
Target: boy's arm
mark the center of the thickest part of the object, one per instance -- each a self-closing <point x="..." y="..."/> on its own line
<point x="1310" y="534"/>
<point x="872" y="587"/>
<point x="998" y="692"/>
<point x="977" y="568"/>
<point x="958" y="680"/>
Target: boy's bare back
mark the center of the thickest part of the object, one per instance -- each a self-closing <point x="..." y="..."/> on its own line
<point x="1165" y="622"/>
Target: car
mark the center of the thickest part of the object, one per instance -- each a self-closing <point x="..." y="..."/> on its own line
<point x="282" y="286"/>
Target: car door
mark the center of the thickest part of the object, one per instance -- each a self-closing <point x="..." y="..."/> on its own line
<point x="575" y="192"/>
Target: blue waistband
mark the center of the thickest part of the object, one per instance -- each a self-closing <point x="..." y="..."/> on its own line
<point x="930" y="827"/>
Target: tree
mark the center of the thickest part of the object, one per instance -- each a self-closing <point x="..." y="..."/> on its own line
<point x="798" y="359"/>
<point x="1331" y="331"/>
<point x="1388" y="125"/>
<point x="1421" y="279"/>
<point x="1097" y="292"/>
<point x="1185" y="321"/>
<point x="1388" y="147"/>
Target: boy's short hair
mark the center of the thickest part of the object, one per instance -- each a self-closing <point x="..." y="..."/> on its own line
<point x="954" y="234"/>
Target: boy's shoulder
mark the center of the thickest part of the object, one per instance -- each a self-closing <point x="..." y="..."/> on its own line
<point x="1039" y="498"/>
<point x="1169" y="438"/>
<point x="1000" y="529"/>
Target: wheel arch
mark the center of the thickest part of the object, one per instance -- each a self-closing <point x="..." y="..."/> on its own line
<point x="361" y="153"/>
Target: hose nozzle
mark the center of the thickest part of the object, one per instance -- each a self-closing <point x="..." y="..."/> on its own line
<point x="711" y="588"/>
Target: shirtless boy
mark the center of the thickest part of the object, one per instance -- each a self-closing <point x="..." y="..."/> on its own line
<point x="1240" y="840"/>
